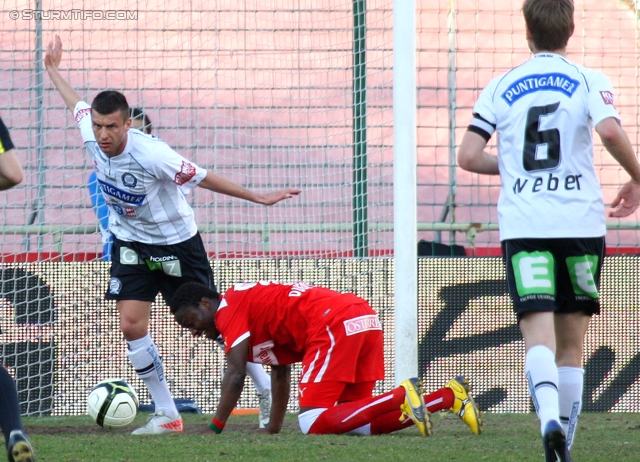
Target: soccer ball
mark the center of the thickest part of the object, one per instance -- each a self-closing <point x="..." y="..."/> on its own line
<point x="112" y="403"/>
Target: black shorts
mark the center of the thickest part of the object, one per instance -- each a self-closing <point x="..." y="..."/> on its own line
<point x="139" y="271"/>
<point x="559" y="275"/>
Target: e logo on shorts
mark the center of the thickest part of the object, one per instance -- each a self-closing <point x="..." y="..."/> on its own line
<point x="582" y="273"/>
<point x="534" y="273"/>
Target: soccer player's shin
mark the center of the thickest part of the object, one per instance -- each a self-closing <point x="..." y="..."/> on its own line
<point x="570" y="386"/>
<point x="390" y="422"/>
<point x="148" y="365"/>
<point x="542" y="378"/>
<point x="348" y="416"/>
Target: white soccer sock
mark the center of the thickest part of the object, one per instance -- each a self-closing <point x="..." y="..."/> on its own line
<point x="144" y="356"/>
<point x="261" y="380"/>
<point x="570" y="387"/>
<point x="542" y="378"/>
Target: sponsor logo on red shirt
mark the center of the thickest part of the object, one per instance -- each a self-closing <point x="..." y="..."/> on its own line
<point x="82" y="113"/>
<point x="607" y="97"/>
<point x="187" y="171"/>
<point x="362" y="324"/>
<point x="262" y="353"/>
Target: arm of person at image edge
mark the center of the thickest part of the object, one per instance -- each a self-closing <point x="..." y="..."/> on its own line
<point x="471" y="157"/>
<point x="233" y="384"/>
<point x="11" y="172"/>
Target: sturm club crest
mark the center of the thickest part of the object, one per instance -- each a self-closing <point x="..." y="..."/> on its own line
<point x="129" y="180"/>
<point x="115" y="286"/>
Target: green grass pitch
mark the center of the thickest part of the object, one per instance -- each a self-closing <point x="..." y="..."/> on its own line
<point x="507" y="437"/>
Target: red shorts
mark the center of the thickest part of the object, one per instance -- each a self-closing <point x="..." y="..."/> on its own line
<point x="348" y="349"/>
<point x="327" y="394"/>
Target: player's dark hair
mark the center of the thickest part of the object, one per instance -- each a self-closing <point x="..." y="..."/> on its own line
<point x="189" y="295"/>
<point x="550" y="22"/>
<point x="139" y="114"/>
<point x="109" y="101"/>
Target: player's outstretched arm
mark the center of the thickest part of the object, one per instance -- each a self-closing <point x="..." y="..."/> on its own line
<point x="615" y="141"/>
<point x="233" y="381"/>
<point x="221" y="185"/>
<point x="280" y="390"/>
<point x="471" y="155"/>
<point x="52" y="59"/>
<point x="11" y="172"/>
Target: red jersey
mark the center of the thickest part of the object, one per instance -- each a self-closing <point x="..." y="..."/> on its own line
<point x="280" y="319"/>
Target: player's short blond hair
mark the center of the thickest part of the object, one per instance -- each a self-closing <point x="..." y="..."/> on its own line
<point x="550" y="22"/>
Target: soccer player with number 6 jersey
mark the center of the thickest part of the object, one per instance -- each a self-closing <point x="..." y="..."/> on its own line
<point x="551" y="211"/>
<point x="156" y="244"/>
<point x="337" y="338"/>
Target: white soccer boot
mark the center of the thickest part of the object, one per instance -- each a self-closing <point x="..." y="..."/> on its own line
<point x="159" y="424"/>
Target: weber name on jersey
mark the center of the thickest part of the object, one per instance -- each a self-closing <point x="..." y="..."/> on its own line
<point x="144" y="186"/>
<point x="544" y="112"/>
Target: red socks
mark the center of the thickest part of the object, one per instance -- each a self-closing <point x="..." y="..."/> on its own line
<point x="440" y="400"/>
<point x="382" y="412"/>
<point x="390" y="422"/>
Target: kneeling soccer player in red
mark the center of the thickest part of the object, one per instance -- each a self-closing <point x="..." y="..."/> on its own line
<point x="337" y="337"/>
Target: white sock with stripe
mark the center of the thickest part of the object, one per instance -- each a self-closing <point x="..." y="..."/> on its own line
<point x="570" y="388"/>
<point x="542" y="378"/>
<point x="144" y="356"/>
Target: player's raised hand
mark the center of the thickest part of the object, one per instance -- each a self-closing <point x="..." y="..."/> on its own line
<point x="53" y="55"/>
<point x="277" y="196"/>
<point x="626" y="201"/>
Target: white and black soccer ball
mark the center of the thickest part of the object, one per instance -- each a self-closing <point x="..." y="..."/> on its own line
<point x="112" y="403"/>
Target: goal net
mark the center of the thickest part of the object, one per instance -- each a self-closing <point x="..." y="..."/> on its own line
<point x="284" y="94"/>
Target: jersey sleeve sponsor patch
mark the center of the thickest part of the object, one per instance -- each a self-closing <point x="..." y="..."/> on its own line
<point x="82" y="113"/>
<point x="187" y="171"/>
<point x="263" y="353"/>
<point x="607" y="97"/>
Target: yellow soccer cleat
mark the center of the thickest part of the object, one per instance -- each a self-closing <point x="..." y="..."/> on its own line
<point x="464" y="406"/>
<point x="19" y="447"/>
<point x="414" y="407"/>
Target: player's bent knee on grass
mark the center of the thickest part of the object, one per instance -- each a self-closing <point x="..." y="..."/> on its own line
<point x="307" y="419"/>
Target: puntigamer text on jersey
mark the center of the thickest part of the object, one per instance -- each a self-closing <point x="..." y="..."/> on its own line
<point x="531" y="83"/>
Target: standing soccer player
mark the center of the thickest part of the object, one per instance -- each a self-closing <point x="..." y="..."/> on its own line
<point x="156" y="245"/>
<point x="337" y="337"/>
<point x="18" y="446"/>
<point x="551" y="210"/>
<point x="141" y="121"/>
